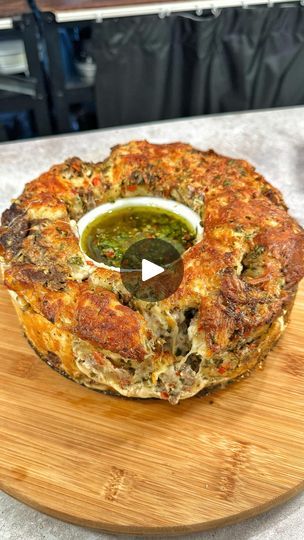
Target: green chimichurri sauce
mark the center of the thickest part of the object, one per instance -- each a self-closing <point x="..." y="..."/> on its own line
<point x="108" y="237"/>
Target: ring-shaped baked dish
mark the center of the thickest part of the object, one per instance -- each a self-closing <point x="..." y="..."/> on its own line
<point x="238" y="287"/>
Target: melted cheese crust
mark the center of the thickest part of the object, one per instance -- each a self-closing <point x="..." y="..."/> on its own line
<point x="239" y="280"/>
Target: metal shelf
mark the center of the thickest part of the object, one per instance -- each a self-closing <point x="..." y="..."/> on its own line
<point x="160" y="9"/>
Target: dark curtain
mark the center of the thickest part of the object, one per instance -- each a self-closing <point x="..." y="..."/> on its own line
<point x="150" y="68"/>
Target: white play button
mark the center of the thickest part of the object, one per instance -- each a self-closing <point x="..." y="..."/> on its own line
<point x="150" y="270"/>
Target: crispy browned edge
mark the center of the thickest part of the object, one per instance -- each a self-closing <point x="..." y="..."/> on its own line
<point x="32" y="333"/>
<point x="219" y="315"/>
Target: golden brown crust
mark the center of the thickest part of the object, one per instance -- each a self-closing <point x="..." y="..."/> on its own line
<point x="238" y="283"/>
<point x="103" y="321"/>
<point x="54" y="345"/>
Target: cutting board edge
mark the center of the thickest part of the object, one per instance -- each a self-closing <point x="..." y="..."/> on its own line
<point x="172" y="530"/>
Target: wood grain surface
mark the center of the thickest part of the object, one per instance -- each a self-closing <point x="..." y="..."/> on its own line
<point x="13" y="7"/>
<point x="71" y="5"/>
<point x="146" y="466"/>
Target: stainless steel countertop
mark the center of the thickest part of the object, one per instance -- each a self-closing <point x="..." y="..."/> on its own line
<point x="274" y="142"/>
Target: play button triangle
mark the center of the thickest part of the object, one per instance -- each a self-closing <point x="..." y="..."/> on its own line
<point x="150" y="270"/>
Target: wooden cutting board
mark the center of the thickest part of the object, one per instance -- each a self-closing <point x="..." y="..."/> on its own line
<point x="147" y="466"/>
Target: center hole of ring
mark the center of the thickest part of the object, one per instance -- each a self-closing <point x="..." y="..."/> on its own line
<point x="109" y="230"/>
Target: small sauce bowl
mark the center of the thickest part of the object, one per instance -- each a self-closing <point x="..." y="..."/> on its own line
<point x="174" y="207"/>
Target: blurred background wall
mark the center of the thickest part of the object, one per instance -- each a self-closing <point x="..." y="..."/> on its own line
<point x="63" y="67"/>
